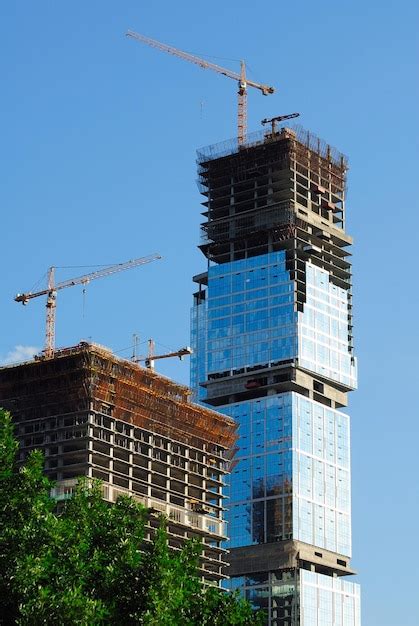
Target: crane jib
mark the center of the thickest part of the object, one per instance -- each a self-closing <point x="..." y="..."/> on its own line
<point x="241" y="78"/>
<point x="51" y="293"/>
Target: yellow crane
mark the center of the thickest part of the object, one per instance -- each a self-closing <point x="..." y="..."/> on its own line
<point x="242" y="80"/>
<point x="52" y="288"/>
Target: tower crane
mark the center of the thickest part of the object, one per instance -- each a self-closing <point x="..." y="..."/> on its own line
<point x="53" y="287"/>
<point x="243" y="82"/>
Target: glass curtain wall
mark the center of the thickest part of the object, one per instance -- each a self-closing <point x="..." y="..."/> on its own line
<point x="292" y="476"/>
<point x="248" y="319"/>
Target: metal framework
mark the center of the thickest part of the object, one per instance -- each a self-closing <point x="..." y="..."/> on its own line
<point x="288" y="193"/>
<point x="52" y="288"/>
<point x="242" y="80"/>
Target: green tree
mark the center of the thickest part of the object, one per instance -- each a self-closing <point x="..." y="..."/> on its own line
<point x="89" y="564"/>
<point x="25" y="514"/>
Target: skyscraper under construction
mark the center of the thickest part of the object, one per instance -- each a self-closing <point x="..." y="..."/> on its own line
<point x="272" y="340"/>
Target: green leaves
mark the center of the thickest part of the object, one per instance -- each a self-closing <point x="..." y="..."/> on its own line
<point x="89" y="564"/>
<point x="8" y="446"/>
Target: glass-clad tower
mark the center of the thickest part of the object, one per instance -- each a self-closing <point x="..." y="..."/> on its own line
<point x="272" y="340"/>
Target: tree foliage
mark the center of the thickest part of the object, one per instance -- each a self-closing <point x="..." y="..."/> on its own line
<point x="89" y="565"/>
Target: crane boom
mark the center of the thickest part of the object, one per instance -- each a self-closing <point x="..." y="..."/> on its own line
<point x="197" y="60"/>
<point x="52" y="288"/>
<point x="241" y="78"/>
<point x="86" y="278"/>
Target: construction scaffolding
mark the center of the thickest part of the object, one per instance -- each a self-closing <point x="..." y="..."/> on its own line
<point x="96" y="415"/>
<point x="89" y="376"/>
<point x="282" y="190"/>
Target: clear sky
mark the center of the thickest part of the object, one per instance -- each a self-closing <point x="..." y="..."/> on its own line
<point x="97" y="157"/>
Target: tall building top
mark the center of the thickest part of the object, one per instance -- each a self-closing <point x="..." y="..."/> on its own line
<point x="264" y="136"/>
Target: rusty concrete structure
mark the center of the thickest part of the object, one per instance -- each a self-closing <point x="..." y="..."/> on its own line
<point x="96" y="415"/>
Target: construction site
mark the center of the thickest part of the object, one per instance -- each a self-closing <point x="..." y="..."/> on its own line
<point x="96" y="415"/>
<point x="280" y="183"/>
<point x="284" y="189"/>
<point x="272" y="365"/>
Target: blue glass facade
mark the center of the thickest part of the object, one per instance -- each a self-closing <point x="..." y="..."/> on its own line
<point x="323" y="329"/>
<point x="328" y="601"/>
<point x="260" y="507"/>
<point x="292" y="480"/>
<point x="321" y="476"/>
<point x="303" y="597"/>
<point x="249" y="318"/>
<point x="271" y="331"/>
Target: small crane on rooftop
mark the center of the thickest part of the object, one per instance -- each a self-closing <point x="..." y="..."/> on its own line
<point x="279" y="118"/>
<point x="151" y="357"/>
<point x="243" y="82"/>
<point x="52" y="288"/>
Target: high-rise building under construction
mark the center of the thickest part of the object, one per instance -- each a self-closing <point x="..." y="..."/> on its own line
<point x="272" y="340"/>
<point x="94" y="414"/>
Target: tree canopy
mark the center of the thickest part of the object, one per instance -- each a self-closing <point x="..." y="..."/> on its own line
<point x="89" y="564"/>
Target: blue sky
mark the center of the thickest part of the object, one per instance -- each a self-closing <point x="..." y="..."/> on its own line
<point x="97" y="157"/>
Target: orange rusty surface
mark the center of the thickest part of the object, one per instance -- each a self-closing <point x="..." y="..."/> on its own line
<point x="149" y="400"/>
<point x="88" y="374"/>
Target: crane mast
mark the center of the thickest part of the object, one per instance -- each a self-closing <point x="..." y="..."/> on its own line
<point x="52" y="288"/>
<point x="51" y="306"/>
<point x="242" y="81"/>
<point x="242" y="106"/>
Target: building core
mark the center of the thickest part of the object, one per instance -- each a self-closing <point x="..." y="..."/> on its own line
<point x="96" y="415"/>
<point x="273" y="349"/>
